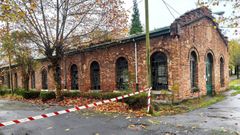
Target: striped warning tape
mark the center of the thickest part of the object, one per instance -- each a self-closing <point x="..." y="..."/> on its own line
<point x="13" y="122"/>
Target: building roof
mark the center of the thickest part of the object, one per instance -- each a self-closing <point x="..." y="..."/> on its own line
<point x="155" y="33"/>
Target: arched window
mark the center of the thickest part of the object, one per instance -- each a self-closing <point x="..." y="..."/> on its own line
<point x="159" y="71"/>
<point x="44" y="79"/>
<point x="8" y="80"/>
<point x="193" y="70"/>
<point x="58" y="74"/>
<point x="95" y="75"/>
<point x="74" y="77"/>
<point x="15" y="80"/>
<point x="33" y="80"/>
<point x="222" y="72"/>
<point x="122" y="73"/>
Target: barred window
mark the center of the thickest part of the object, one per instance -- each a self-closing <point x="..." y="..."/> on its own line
<point x="33" y="80"/>
<point x="44" y="79"/>
<point x="222" y="72"/>
<point x="95" y="75"/>
<point x="159" y="71"/>
<point x="15" y="80"/>
<point x="74" y="77"/>
<point x="122" y="73"/>
<point x="193" y="69"/>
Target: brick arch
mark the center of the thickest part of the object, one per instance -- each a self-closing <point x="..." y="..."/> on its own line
<point x="159" y="49"/>
<point x="194" y="49"/>
<point x="211" y="52"/>
<point x="92" y="60"/>
<point x="119" y="56"/>
<point x="221" y="57"/>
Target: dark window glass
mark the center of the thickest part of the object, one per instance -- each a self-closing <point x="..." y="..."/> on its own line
<point x="33" y="80"/>
<point x="193" y="69"/>
<point x="159" y="71"/>
<point x="44" y="79"/>
<point x="74" y="77"/>
<point x="15" y="80"/>
<point x="222" y="72"/>
<point x="95" y="76"/>
<point x="122" y="73"/>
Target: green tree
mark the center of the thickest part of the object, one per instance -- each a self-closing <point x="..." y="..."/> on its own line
<point x="136" y="26"/>
<point x="8" y="14"/>
<point x="234" y="51"/>
<point x="23" y="55"/>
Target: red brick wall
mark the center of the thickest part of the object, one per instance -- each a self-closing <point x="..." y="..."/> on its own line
<point x="199" y="36"/>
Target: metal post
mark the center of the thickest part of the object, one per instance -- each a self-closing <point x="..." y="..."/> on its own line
<point x="147" y="45"/>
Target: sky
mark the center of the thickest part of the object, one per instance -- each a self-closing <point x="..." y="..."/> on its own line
<point x="161" y="17"/>
<point x="159" y="14"/>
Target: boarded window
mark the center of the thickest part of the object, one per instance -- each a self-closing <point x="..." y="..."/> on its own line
<point x="95" y="75"/>
<point x="159" y="71"/>
<point x="122" y="73"/>
<point x="74" y="77"/>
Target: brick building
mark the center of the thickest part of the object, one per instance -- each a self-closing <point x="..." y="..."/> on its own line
<point x="189" y="55"/>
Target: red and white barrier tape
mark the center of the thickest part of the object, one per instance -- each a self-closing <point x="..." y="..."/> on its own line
<point x="13" y="122"/>
<point x="149" y="100"/>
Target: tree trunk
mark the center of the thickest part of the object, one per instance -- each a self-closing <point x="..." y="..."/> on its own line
<point x="26" y="82"/>
<point x="237" y="71"/>
<point x="10" y="74"/>
<point x="59" y="96"/>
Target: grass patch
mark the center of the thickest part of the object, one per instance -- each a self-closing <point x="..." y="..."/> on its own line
<point x="186" y="106"/>
<point x="234" y="82"/>
<point x="235" y="85"/>
<point x="235" y="93"/>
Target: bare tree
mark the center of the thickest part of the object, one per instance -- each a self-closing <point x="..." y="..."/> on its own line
<point x="55" y="23"/>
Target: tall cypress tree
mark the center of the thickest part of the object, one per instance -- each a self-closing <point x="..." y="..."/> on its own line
<point x="136" y="26"/>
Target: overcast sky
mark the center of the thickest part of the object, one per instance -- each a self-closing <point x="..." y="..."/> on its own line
<point x="160" y="16"/>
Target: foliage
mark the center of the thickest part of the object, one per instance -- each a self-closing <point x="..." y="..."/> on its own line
<point x="230" y="20"/>
<point x="23" y="54"/>
<point x="31" y="94"/>
<point x="136" y="26"/>
<point x="101" y="95"/>
<point x="137" y="101"/>
<point x="195" y="89"/>
<point x="234" y="51"/>
<point x="4" y="92"/>
<point x="235" y="85"/>
<point x="58" y="26"/>
<point x="47" y="95"/>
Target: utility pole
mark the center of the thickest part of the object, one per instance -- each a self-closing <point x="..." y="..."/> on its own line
<point x="147" y="45"/>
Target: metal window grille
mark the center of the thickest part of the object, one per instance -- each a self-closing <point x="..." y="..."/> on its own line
<point x="122" y="73"/>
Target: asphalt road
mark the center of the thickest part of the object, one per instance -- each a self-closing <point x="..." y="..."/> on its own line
<point x="222" y="118"/>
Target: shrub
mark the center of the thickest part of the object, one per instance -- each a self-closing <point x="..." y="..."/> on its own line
<point x="137" y="102"/>
<point x="71" y="94"/>
<point x="99" y="95"/>
<point x="47" y="95"/>
<point x="30" y="94"/>
<point x="19" y="92"/>
<point x="4" y="92"/>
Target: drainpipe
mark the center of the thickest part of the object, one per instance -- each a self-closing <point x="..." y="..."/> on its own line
<point x="136" y="65"/>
